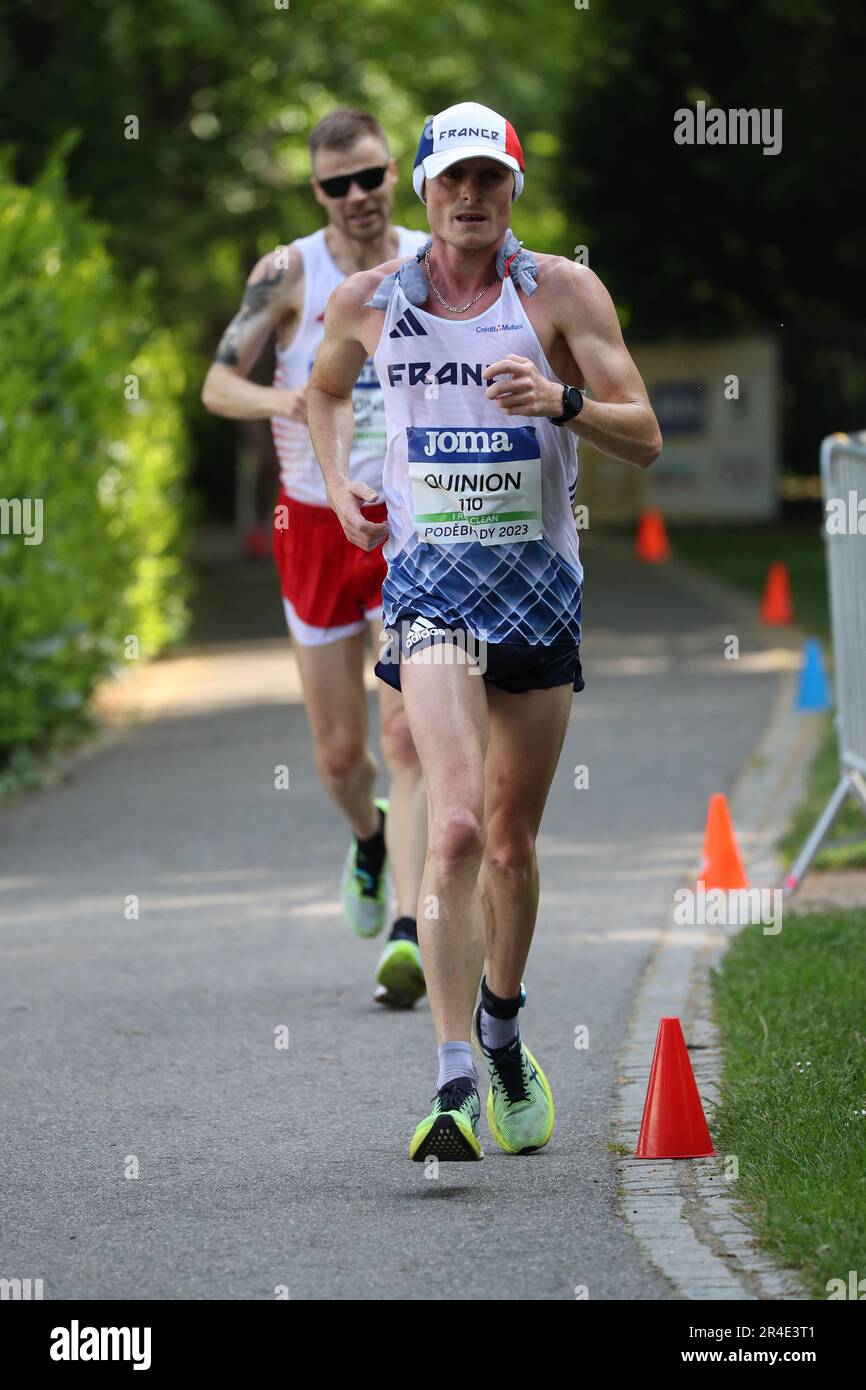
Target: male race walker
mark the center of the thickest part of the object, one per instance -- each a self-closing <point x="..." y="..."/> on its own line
<point x="331" y="590"/>
<point x="482" y="350"/>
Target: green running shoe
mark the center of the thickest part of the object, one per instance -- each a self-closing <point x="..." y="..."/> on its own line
<point x="450" y="1132"/>
<point x="364" y="890"/>
<point x="399" y="975"/>
<point x="520" y="1102"/>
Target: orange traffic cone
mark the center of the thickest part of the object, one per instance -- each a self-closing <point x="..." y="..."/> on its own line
<point x="651" y="542"/>
<point x="721" y="866"/>
<point x="777" y="609"/>
<point x="673" y="1124"/>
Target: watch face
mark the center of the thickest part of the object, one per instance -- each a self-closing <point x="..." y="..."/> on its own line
<point x="575" y="399"/>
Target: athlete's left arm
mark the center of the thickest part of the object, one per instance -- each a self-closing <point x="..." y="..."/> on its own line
<point x="617" y="418"/>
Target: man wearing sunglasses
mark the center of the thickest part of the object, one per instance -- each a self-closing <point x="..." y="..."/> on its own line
<point x="331" y="590"/>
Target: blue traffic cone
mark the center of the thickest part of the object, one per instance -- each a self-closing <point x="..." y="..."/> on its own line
<point x="814" y="691"/>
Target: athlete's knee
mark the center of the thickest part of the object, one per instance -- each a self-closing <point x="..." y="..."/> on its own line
<point x="398" y="748"/>
<point x="510" y="853"/>
<point x="340" y="754"/>
<point x="455" y="837"/>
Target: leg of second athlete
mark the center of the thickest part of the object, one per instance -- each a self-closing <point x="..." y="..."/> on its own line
<point x="526" y="737"/>
<point x="447" y="710"/>
<point x="332" y="677"/>
<point x="406" y="824"/>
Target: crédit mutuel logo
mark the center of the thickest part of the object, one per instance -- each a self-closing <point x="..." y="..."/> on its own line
<point x="77" y="1343"/>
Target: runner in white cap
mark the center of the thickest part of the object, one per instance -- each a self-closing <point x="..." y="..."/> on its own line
<point x="331" y="590"/>
<point x="482" y="350"/>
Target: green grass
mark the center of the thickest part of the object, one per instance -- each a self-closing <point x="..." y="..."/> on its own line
<point x="849" y="826"/>
<point x="791" y="1013"/>
<point x="741" y="555"/>
<point x="799" y="998"/>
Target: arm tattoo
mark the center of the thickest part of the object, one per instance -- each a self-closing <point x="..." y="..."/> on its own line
<point x="256" y="298"/>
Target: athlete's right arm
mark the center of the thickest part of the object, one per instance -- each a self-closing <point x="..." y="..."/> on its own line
<point x="271" y="297"/>
<point x="330" y="413"/>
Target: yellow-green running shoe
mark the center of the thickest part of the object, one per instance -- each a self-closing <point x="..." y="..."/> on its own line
<point x="399" y="975"/>
<point x="520" y="1102"/>
<point x="364" y="887"/>
<point x="450" y="1132"/>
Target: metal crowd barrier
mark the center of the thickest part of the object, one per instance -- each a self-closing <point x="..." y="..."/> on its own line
<point x="843" y="483"/>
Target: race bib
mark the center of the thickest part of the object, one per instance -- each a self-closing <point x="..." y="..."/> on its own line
<point x="368" y="403"/>
<point x="475" y="485"/>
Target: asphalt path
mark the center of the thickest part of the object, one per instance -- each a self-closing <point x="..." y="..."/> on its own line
<point x="157" y="1144"/>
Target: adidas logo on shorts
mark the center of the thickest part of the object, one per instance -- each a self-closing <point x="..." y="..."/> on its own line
<point x="408" y="327"/>
<point x="422" y="627"/>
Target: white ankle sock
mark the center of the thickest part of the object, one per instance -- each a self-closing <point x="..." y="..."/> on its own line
<point x="455" y="1059"/>
<point x="497" y="1032"/>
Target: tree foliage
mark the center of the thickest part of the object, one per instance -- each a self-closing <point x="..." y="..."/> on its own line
<point x="708" y="239"/>
<point x="693" y="240"/>
<point x="226" y="92"/>
<point x="92" y="436"/>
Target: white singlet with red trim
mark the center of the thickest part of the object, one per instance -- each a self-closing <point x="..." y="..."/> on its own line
<point x="299" y="470"/>
<point x="482" y="531"/>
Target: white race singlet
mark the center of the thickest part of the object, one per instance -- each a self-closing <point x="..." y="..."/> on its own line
<point x="299" y="469"/>
<point x="482" y="530"/>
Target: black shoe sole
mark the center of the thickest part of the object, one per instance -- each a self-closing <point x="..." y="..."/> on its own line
<point x="446" y="1142"/>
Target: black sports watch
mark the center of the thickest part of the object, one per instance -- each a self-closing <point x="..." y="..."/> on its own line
<point x="572" y="404"/>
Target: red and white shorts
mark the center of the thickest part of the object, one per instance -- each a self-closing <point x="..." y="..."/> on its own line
<point x="331" y="588"/>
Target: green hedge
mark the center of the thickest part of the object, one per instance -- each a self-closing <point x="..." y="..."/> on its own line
<point x="77" y="345"/>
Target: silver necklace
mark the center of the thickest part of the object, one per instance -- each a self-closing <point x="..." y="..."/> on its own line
<point x="450" y="307"/>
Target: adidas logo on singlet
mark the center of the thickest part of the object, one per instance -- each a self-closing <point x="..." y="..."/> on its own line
<point x="408" y="327"/>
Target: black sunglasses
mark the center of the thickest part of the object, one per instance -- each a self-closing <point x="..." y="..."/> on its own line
<point x="365" y="178"/>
